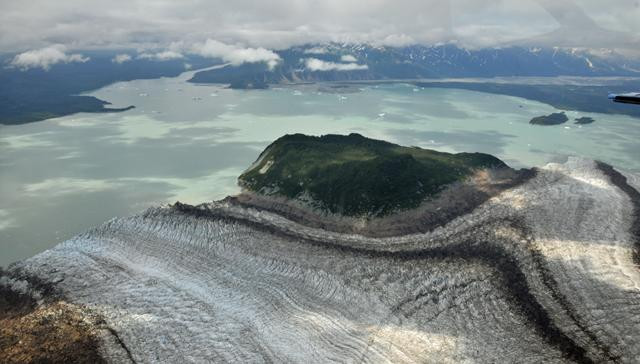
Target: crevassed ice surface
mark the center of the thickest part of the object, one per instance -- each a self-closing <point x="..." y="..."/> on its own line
<point x="189" y="142"/>
<point x="542" y="273"/>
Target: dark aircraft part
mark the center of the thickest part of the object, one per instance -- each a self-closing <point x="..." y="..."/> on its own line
<point x="626" y="99"/>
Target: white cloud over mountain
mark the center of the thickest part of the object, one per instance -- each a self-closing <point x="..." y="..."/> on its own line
<point x="314" y="64"/>
<point x="45" y="57"/>
<point x="235" y="54"/>
<point x="348" y="58"/>
<point x="121" y="58"/>
<point x="161" y="56"/>
<point x="315" y="50"/>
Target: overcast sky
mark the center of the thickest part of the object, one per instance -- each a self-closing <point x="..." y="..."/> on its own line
<point x="275" y="24"/>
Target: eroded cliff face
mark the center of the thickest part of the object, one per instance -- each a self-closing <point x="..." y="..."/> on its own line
<point x="540" y="272"/>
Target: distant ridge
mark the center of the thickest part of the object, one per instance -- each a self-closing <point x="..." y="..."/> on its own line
<point x="341" y="62"/>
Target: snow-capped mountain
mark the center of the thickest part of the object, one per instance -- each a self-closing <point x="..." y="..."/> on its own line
<point x="335" y="62"/>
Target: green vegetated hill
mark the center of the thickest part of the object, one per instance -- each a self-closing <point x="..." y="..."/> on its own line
<point x="353" y="175"/>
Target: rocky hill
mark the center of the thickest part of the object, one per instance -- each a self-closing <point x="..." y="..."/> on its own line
<point x="355" y="176"/>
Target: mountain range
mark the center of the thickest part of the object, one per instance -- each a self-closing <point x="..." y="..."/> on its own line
<point x="342" y="62"/>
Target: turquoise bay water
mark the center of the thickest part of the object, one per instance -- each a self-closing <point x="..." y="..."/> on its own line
<point x="189" y="142"/>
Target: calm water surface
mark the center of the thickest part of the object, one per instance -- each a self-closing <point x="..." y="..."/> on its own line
<point x="189" y="142"/>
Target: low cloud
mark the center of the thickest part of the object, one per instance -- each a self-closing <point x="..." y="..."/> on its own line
<point x="348" y="58"/>
<point x="400" y="40"/>
<point x="314" y="64"/>
<point x="45" y="58"/>
<point x="161" y="56"/>
<point x="121" y="58"/>
<point x="236" y="55"/>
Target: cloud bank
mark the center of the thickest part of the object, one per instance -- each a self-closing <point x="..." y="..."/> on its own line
<point x="314" y="65"/>
<point x="277" y="24"/>
<point x="45" y="57"/>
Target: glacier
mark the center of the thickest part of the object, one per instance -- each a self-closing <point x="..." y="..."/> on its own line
<point x="546" y="271"/>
